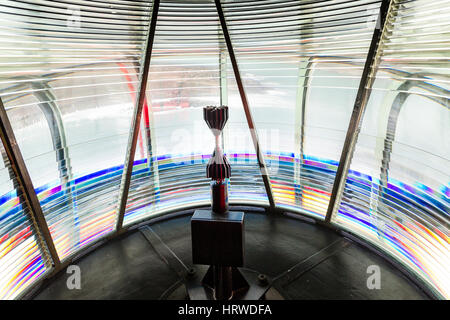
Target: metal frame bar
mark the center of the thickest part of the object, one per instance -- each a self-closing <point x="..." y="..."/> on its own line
<point x="150" y="143"/>
<point x="362" y="97"/>
<point x="135" y="125"/>
<point x="248" y="114"/>
<point x="24" y="182"/>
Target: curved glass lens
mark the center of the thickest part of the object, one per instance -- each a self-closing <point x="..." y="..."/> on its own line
<point x="22" y="261"/>
<point x="70" y="72"/>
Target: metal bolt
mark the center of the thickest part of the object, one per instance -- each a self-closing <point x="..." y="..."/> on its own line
<point x="262" y="279"/>
<point x="191" y="273"/>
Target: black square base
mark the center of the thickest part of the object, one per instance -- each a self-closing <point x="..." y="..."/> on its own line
<point x="218" y="239"/>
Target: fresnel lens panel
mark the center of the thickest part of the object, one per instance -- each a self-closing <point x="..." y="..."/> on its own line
<point x="70" y="78"/>
<point x="301" y="63"/>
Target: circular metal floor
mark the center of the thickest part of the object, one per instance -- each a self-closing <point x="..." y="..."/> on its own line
<point x="305" y="261"/>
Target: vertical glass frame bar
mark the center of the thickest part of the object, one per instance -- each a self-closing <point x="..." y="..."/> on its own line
<point x="248" y="114"/>
<point x="358" y="112"/>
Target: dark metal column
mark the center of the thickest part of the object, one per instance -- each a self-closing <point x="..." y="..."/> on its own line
<point x="248" y="114"/>
<point x="129" y="160"/>
<point x="25" y="184"/>
<point x="354" y="126"/>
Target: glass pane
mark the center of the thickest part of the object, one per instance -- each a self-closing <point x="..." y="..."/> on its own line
<point x="246" y="183"/>
<point x="68" y="74"/>
<point x="188" y="71"/>
<point x="398" y="187"/>
<point x="301" y="64"/>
